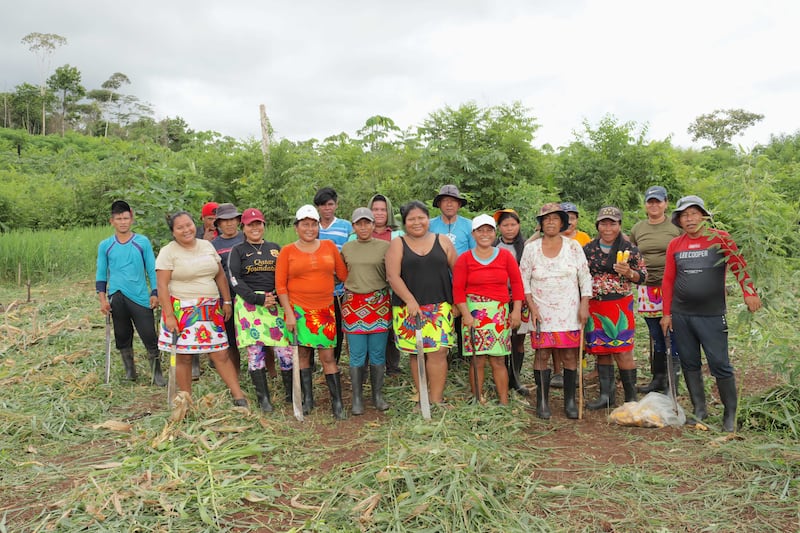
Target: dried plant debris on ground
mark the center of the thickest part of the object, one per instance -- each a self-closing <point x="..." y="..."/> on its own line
<point x="76" y="454"/>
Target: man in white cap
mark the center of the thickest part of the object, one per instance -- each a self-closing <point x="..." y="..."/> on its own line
<point x="694" y="302"/>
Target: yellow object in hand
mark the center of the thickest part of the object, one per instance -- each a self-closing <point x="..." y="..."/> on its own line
<point x="626" y="255"/>
<point x="619" y="256"/>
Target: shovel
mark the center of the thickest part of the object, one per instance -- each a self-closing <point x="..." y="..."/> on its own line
<point x="297" y="400"/>
<point x="424" y="402"/>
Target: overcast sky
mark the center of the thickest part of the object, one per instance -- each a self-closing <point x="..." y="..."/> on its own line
<point x="322" y="68"/>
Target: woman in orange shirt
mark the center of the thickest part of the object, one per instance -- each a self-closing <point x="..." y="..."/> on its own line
<point x="304" y="281"/>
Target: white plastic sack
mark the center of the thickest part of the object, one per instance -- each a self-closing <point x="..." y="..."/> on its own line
<point x="655" y="410"/>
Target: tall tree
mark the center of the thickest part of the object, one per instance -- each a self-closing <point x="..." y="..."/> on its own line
<point x="722" y="125"/>
<point x="44" y="46"/>
<point x="67" y="81"/>
<point x="108" y="94"/>
<point x="484" y="151"/>
<point x="613" y="163"/>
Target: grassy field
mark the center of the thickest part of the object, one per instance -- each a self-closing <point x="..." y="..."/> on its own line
<point x="76" y="454"/>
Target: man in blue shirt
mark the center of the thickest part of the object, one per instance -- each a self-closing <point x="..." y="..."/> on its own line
<point x="449" y="222"/>
<point x="457" y="228"/>
<point x="126" y="287"/>
<point x="337" y="230"/>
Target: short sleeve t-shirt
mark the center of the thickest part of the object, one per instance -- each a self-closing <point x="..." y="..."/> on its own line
<point x="193" y="270"/>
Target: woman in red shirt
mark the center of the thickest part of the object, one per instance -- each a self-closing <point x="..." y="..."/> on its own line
<point x="304" y="281"/>
<point x="481" y="279"/>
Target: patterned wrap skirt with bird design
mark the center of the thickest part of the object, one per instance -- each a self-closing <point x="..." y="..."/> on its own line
<point x="437" y="328"/>
<point x="492" y="332"/>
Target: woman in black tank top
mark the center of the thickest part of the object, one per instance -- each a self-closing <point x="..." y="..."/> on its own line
<point x="418" y="267"/>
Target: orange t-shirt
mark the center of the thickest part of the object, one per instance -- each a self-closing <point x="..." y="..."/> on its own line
<point x="582" y="237"/>
<point x="308" y="278"/>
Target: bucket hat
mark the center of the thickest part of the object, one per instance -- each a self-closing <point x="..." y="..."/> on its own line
<point x="226" y="212"/>
<point x="449" y="190"/>
<point x="554" y="207"/>
<point x="688" y="201"/>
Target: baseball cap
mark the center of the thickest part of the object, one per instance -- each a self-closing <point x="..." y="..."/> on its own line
<point x="362" y="212"/>
<point x="251" y="214"/>
<point x="658" y="192"/>
<point x="569" y="207"/>
<point x="307" y="211"/>
<point x="504" y="213"/>
<point x="609" y="212"/>
<point x="209" y="209"/>
<point x="483" y="220"/>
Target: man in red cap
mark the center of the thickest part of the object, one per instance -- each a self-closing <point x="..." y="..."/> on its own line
<point x="208" y="214"/>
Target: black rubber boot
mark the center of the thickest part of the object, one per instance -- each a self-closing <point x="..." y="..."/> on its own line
<point x="307" y="386"/>
<point x="334" y="382"/>
<point x="377" y="373"/>
<point x="515" y="359"/>
<point x="259" y="379"/>
<point x="155" y="367"/>
<point x="127" y="362"/>
<point x="196" y="367"/>
<point x="286" y="376"/>
<point x="694" y="382"/>
<point x="356" y="377"/>
<point x="659" y="370"/>
<point x="570" y="409"/>
<point x="628" y="378"/>
<point x="605" y="375"/>
<point x="542" y="378"/>
<point x="727" y="395"/>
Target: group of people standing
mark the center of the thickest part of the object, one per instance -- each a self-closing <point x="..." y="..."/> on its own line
<point x="455" y="281"/>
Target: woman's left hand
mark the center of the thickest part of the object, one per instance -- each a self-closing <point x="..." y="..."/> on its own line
<point x="516" y="319"/>
<point x="227" y="310"/>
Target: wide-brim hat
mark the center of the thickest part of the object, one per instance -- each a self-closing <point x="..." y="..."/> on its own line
<point x="451" y="191"/>
<point x="554" y="207"/>
<point x="251" y="214"/>
<point x="306" y="211"/>
<point x="688" y="201"/>
<point x="483" y="220"/>
<point x="226" y="212"/>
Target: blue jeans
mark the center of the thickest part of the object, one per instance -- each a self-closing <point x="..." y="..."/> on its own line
<point x="372" y="343"/>
<point x="710" y="332"/>
<point x="657" y="334"/>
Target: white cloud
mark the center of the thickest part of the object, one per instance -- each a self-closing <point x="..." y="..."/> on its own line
<point x="325" y="67"/>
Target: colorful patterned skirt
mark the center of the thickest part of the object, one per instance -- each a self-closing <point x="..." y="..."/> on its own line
<point x="556" y="339"/>
<point x="259" y="325"/>
<point x="366" y="313"/>
<point x="492" y="334"/>
<point x="611" y="326"/>
<point x="201" y="326"/>
<point x="316" y="328"/>
<point x="437" y="328"/>
<point x="650" y="301"/>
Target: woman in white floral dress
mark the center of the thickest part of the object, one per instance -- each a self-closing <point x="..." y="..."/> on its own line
<point x="557" y="289"/>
